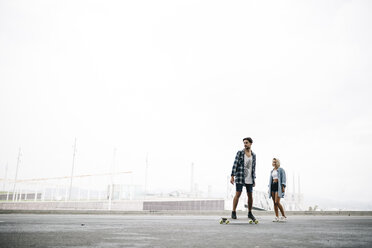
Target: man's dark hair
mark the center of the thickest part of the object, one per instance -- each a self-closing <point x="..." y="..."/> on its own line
<point x="249" y="139"/>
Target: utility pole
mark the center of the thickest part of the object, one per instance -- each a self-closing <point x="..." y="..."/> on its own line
<point x="72" y="170"/>
<point x="299" y="193"/>
<point x="192" y="180"/>
<point x="16" y="175"/>
<point x="146" y="171"/>
<point x="299" y="185"/>
<point x="112" y="180"/>
<point x="5" y="177"/>
<point x="294" y="185"/>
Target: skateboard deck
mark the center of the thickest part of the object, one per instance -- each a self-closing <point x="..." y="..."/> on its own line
<point x="224" y="220"/>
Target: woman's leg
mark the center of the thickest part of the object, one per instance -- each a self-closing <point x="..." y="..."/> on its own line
<point x="273" y="194"/>
<point x="277" y="200"/>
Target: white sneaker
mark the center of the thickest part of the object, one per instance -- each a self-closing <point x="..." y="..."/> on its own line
<point x="276" y="219"/>
<point x="282" y="218"/>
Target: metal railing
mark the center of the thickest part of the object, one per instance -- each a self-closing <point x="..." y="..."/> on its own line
<point x="90" y="187"/>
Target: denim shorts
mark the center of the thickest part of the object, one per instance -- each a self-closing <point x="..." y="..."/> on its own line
<point x="274" y="187"/>
<point x="249" y="187"/>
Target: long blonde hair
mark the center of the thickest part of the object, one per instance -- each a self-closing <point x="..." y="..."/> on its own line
<point x="277" y="162"/>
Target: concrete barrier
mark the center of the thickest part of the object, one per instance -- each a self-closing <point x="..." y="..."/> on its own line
<point x="195" y="205"/>
<point x="139" y="207"/>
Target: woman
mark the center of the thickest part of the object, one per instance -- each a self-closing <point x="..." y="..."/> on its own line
<point x="277" y="189"/>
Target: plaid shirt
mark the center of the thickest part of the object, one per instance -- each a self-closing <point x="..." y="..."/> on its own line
<point x="238" y="167"/>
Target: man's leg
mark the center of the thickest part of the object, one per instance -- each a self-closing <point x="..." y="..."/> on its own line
<point x="250" y="201"/>
<point x="236" y="200"/>
<point x="239" y="188"/>
<point x="249" y="188"/>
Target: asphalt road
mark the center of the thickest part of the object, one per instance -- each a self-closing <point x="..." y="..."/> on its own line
<point x="33" y="230"/>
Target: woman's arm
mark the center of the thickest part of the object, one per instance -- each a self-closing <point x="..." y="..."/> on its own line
<point x="283" y="179"/>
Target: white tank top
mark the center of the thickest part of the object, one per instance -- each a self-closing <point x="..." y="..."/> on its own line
<point x="274" y="174"/>
<point x="248" y="169"/>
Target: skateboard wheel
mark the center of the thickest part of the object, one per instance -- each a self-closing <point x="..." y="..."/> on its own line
<point x="227" y="222"/>
<point x="250" y="222"/>
<point x="221" y="221"/>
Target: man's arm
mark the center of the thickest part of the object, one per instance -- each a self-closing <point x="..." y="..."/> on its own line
<point x="254" y="171"/>
<point x="233" y="172"/>
<point x="232" y="180"/>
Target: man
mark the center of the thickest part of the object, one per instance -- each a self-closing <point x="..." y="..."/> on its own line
<point x="243" y="174"/>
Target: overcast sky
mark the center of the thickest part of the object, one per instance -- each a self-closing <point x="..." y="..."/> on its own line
<point x="184" y="82"/>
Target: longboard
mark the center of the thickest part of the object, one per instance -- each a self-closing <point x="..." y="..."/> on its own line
<point x="224" y="220"/>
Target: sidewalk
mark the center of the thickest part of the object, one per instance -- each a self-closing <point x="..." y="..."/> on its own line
<point x="183" y="213"/>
